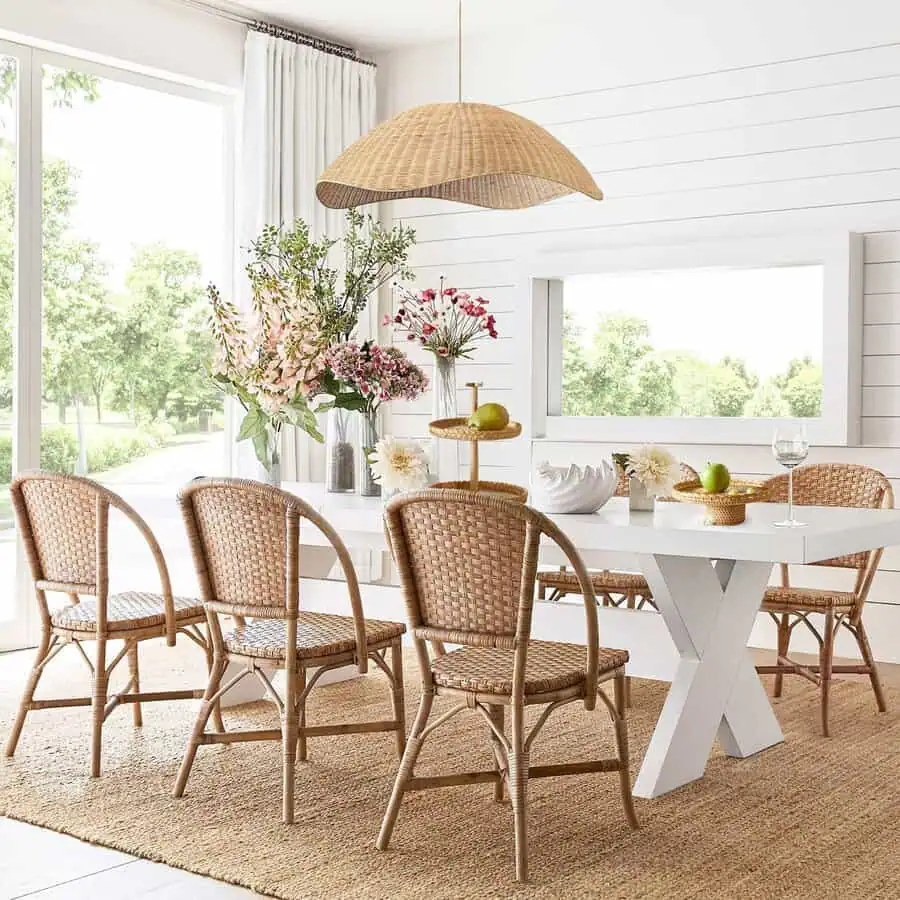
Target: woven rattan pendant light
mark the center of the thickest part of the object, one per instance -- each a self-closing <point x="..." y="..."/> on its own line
<point x="468" y="152"/>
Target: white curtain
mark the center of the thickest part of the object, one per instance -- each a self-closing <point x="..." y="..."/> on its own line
<point x="301" y="109"/>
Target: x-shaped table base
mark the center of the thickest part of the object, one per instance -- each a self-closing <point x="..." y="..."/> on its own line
<point x="709" y="611"/>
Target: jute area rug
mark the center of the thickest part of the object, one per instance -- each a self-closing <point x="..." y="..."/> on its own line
<point x="810" y="819"/>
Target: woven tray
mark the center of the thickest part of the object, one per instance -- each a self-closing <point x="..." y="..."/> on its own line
<point x="727" y="508"/>
<point x="458" y="430"/>
<point x="496" y="488"/>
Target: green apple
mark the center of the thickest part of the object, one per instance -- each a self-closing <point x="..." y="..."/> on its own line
<point x="715" y="478"/>
<point x="490" y="417"/>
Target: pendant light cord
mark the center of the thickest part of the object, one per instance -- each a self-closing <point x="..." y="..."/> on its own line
<point x="459" y="49"/>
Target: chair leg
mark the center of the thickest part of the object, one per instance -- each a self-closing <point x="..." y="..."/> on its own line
<point x="28" y="694"/>
<point x="497" y="717"/>
<point x="134" y="674"/>
<point x="404" y="773"/>
<point x="784" y="643"/>
<point x="218" y="724"/>
<point x="98" y="706"/>
<point x="518" y="789"/>
<point x="301" y="710"/>
<point x="206" y="708"/>
<point x="826" y="660"/>
<point x="621" y="727"/>
<point x="866" y="649"/>
<point x="290" y="728"/>
<point x="398" y="696"/>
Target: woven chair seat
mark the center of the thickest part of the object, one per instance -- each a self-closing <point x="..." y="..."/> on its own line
<point x="781" y="599"/>
<point x="551" y="667"/>
<point x="318" y="634"/>
<point x="601" y="581"/>
<point x="126" y="612"/>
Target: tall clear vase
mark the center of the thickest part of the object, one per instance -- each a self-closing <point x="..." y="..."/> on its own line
<point x="340" y="451"/>
<point x="369" y="435"/>
<point x="445" y="454"/>
<point x="273" y="465"/>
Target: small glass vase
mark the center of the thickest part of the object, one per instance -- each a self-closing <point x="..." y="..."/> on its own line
<point x="369" y="435"/>
<point x="340" y="451"/>
<point x="639" y="498"/>
<point x="445" y="454"/>
<point x="270" y="467"/>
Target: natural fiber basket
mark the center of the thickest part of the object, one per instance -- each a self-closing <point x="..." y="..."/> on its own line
<point x="497" y="488"/>
<point x="727" y="508"/>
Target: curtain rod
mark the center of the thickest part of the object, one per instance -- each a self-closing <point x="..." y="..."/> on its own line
<point x="279" y="31"/>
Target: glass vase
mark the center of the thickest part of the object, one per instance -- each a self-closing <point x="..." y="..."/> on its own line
<point x="369" y="435"/>
<point x="340" y="451"/>
<point x="445" y="454"/>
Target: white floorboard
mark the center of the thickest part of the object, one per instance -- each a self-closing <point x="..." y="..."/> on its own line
<point x="43" y="865"/>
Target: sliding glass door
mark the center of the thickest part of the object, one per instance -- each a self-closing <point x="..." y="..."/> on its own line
<point x="130" y="217"/>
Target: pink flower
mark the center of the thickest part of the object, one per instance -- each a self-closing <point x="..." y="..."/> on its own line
<point x="443" y="351"/>
<point x="429" y="294"/>
<point x="449" y="292"/>
<point x="428" y="329"/>
<point x="386" y="320"/>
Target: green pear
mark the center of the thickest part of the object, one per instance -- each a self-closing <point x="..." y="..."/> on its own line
<point x="715" y="478"/>
<point x="489" y="417"/>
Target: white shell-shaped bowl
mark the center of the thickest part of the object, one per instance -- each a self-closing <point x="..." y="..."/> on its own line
<point x="572" y="489"/>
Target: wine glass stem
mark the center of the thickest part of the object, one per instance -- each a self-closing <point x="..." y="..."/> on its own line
<point x="791" y="494"/>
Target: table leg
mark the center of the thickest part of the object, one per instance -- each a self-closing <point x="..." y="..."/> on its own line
<point x="709" y="612"/>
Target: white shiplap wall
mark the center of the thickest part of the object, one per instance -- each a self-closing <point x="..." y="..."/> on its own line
<point x="786" y="143"/>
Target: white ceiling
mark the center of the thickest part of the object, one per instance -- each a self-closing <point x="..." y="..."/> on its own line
<point x="385" y="24"/>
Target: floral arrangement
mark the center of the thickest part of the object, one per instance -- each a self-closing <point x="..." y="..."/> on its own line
<point x="446" y="322"/>
<point x="655" y="468"/>
<point x="276" y="361"/>
<point x="399" y="465"/>
<point x="369" y="375"/>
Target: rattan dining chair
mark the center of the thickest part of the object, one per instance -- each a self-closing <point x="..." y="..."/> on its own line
<point x="827" y="484"/>
<point x="244" y="537"/>
<point x="64" y="524"/>
<point x="467" y="567"/>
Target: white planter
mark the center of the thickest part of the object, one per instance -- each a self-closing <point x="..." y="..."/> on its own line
<point x="639" y="498"/>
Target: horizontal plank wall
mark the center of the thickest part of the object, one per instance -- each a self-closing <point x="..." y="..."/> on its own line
<point x="736" y="128"/>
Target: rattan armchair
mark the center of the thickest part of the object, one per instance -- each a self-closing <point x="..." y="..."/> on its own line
<point x="244" y="537"/>
<point x="64" y="524"/>
<point x="467" y="566"/>
<point x="827" y="484"/>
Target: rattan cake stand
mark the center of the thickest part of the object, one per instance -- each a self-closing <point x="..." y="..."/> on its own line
<point x="727" y="508"/>
<point x="458" y="429"/>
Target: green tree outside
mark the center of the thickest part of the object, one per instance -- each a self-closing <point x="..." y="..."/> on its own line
<point x="620" y="374"/>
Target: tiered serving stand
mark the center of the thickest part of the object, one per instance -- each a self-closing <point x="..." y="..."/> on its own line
<point x="458" y="429"/>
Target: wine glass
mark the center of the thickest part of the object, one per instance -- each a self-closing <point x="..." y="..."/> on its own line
<point x="790" y="448"/>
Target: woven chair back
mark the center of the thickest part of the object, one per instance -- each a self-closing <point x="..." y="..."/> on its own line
<point x="623" y="484"/>
<point x="467" y="563"/>
<point x="58" y="521"/>
<point x="836" y="484"/>
<point x="238" y="535"/>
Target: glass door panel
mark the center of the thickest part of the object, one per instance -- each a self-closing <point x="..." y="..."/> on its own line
<point x="10" y="614"/>
<point x="134" y="228"/>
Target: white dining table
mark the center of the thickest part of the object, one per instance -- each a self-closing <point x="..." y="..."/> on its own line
<point x="707" y="582"/>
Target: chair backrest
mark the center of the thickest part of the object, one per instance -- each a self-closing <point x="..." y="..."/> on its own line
<point x="244" y="538"/>
<point x="468" y="564"/>
<point x="623" y="484"/>
<point x="64" y="523"/>
<point x="836" y="484"/>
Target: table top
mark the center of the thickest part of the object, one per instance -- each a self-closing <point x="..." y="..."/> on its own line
<point x="673" y="529"/>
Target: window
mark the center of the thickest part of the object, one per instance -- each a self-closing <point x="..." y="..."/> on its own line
<point x="115" y="212"/>
<point x="709" y="352"/>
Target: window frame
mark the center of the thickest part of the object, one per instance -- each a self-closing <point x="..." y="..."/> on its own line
<point x="841" y="257"/>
